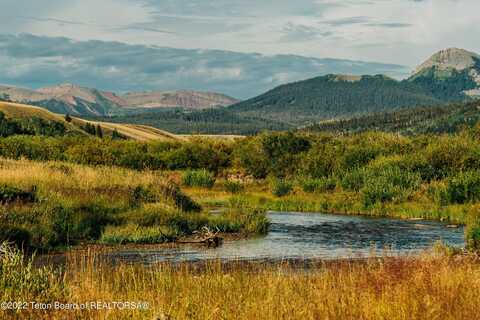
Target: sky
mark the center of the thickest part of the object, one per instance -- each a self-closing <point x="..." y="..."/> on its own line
<point x="239" y="47"/>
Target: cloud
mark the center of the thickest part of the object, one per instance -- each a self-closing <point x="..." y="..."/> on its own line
<point x="36" y="61"/>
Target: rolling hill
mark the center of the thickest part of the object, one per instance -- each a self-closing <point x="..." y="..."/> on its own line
<point x="135" y="132"/>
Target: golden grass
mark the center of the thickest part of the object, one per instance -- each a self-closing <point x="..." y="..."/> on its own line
<point x="427" y="287"/>
<point x="63" y="176"/>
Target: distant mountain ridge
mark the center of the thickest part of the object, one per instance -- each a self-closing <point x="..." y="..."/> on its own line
<point x="77" y="100"/>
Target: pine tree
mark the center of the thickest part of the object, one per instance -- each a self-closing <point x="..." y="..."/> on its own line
<point x="98" y="131"/>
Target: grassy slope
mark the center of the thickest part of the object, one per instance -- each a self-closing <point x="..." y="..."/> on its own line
<point x="136" y="132"/>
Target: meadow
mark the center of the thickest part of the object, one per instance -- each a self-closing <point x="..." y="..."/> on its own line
<point x="431" y="286"/>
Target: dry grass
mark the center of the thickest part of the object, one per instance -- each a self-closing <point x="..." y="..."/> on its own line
<point x="427" y="287"/>
<point x="63" y="176"/>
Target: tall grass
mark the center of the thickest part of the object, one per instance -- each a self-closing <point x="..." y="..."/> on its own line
<point x="427" y="287"/>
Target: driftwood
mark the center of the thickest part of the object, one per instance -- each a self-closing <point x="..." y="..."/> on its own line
<point x="208" y="238"/>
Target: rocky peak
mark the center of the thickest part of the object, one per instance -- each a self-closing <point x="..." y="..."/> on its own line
<point x="452" y="58"/>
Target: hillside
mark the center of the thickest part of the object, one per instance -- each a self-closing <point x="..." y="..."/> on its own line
<point x="452" y="75"/>
<point x="333" y="96"/>
<point x="435" y="119"/>
<point x="135" y="132"/>
<point x="82" y="101"/>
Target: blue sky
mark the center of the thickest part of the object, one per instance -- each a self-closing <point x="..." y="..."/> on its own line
<point x="125" y="45"/>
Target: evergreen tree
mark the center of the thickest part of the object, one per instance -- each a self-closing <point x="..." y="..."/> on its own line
<point x="98" y="131"/>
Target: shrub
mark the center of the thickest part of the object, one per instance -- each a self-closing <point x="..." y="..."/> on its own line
<point x="386" y="184"/>
<point x="378" y="191"/>
<point x="233" y="186"/>
<point x="10" y="194"/>
<point x="472" y="231"/>
<point x="281" y="187"/>
<point x="198" y="178"/>
<point x="16" y="235"/>
<point x="464" y="187"/>
<point x="142" y="194"/>
<point x="353" y="180"/>
<point x="319" y="185"/>
<point x="172" y="192"/>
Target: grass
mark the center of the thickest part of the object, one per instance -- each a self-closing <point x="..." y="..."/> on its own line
<point x="426" y="287"/>
<point x="74" y="204"/>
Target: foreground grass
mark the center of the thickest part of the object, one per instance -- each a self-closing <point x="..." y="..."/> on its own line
<point x="427" y="287"/>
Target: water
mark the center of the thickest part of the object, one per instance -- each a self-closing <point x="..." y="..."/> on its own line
<point x="313" y="236"/>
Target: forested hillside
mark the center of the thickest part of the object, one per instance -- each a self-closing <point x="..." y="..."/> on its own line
<point x="333" y="96"/>
<point x="436" y="119"/>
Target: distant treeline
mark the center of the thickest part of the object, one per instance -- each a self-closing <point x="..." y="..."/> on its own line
<point x="212" y="121"/>
<point x="436" y="119"/>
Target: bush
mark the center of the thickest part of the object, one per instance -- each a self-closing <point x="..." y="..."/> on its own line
<point x="378" y="191"/>
<point x="319" y="185"/>
<point x="16" y="235"/>
<point x="233" y="186"/>
<point x="464" y="187"/>
<point x="386" y="184"/>
<point x="9" y="194"/>
<point x="353" y="180"/>
<point x="198" y="178"/>
<point x="472" y="231"/>
<point x="172" y="192"/>
<point x="142" y="194"/>
<point x="281" y="188"/>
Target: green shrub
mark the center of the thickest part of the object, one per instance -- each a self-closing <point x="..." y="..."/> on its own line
<point x="172" y="192"/>
<point x="9" y="194"/>
<point x="319" y="185"/>
<point x="378" y="191"/>
<point x="233" y="186"/>
<point x="472" y="230"/>
<point x="464" y="187"/>
<point x="16" y="235"/>
<point x="142" y="194"/>
<point x="198" y="178"/>
<point x="281" y="187"/>
<point x="353" y="180"/>
<point x="387" y="184"/>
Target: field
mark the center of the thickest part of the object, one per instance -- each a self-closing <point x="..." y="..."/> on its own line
<point x="437" y="286"/>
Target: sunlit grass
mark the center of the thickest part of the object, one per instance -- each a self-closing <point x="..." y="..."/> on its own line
<point x="426" y="287"/>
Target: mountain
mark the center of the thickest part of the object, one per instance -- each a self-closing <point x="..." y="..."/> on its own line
<point x="333" y="96"/>
<point x="77" y="100"/>
<point x="451" y="74"/>
<point x="182" y="98"/>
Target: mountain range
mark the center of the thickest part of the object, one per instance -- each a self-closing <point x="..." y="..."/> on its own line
<point x="451" y="75"/>
<point x="77" y="100"/>
<point x="447" y="76"/>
